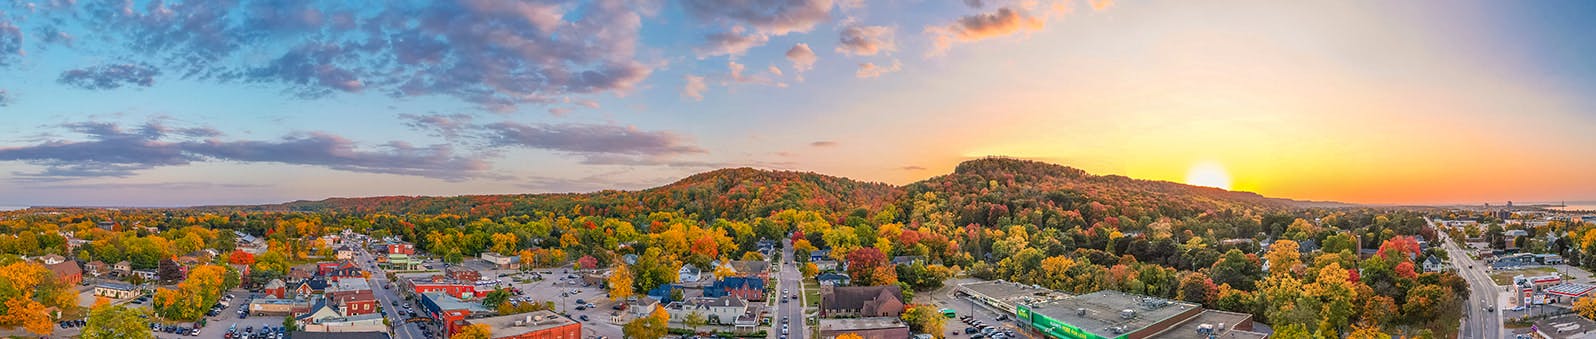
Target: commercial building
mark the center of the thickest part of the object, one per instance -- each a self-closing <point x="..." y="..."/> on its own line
<point x="861" y="301"/>
<point x="867" y="328"/>
<point x="356" y="323"/>
<point x="1003" y="296"/>
<point x="115" y="290"/>
<point x="534" y="325"/>
<point x="275" y="306"/>
<point x="1119" y="315"/>
<point x="503" y="262"/>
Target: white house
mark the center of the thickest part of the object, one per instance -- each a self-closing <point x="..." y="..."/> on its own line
<point x="688" y="273"/>
<point x="718" y="311"/>
<point x="1433" y="264"/>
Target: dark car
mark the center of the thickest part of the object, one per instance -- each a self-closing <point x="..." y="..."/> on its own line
<point x="969" y="330"/>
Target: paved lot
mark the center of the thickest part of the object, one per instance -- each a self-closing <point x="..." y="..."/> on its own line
<point x="557" y="282"/>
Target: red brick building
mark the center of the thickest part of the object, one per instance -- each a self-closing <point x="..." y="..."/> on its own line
<point x="460" y="273"/>
<point x="356" y="304"/>
<point x="276" y="289"/>
<point x="402" y="248"/>
<point x="463" y="291"/>
<point x="67" y="271"/>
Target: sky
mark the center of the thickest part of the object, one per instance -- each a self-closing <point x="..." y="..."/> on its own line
<point x="176" y="103"/>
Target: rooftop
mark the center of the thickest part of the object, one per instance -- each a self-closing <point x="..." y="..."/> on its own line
<point x="1100" y="311"/>
<point x="857" y="324"/>
<point x="352" y="285"/>
<point x="517" y="324"/>
<point x="1570" y="289"/>
<point x="339" y="335"/>
<point x="116" y="285"/>
<point x="1012" y="292"/>
<point x="1222" y="324"/>
<point x="446" y="302"/>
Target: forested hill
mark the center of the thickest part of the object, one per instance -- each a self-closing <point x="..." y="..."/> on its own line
<point x="985" y="190"/>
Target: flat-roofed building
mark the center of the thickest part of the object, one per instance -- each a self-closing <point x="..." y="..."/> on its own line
<point x="1213" y="324"/>
<point x="1004" y="296"/>
<point x="534" y="325"/>
<point x="1106" y="314"/>
<point x="867" y="328"/>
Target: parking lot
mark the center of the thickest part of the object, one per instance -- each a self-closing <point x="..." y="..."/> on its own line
<point x="559" y="287"/>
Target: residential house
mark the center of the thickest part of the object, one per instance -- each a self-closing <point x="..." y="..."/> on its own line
<point x="344" y="253"/>
<point x="826" y="265"/>
<point x="276" y="289"/>
<point x="747" y="288"/>
<point x="1433" y="264"/>
<point x="688" y="273"/>
<point x="97" y="268"/>
<point x="751" y="268"/>
<point x="321" y="309"/>
<point x="310" y="286"/>
<point x="833" y="279"/>
<point x="907" y="260"/>
<point x="861" y="301"/>
<point x="115" y="290"/>
<point x="820" y="254"/>
<point x="663" y="292"/>
<point x="122" y="268"/>
<point x="718" y="311"/>
<point x="641" y="307"/>
<point x="51" y="259"/>
<point x="147" y="275"/>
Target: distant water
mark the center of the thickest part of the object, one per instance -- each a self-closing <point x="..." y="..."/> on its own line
<point x="1578" y="206"/>
<point x="12" y="208"/>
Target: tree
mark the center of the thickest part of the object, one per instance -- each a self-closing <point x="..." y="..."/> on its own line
<point x="862" y="265"/>
<point x="809" y="270"/>
<point x="851" y="336"/>
<point x="1367" y="332"/>
<point x="474" y="331"/>
<point x="1196" y="287"/>
<point x="724" y="270"/>
<point x="1292" y="331"/>
<point x="652" y="326"/>
<point x="693" y="320"/>
<point x="241" y="258"/>
<point x="1283" y="257"/>
<point x="1586" y="307"/>
<point x="504" y="243"/>
<point x="1236" y="269"/>
<point x="169" y="271"/>
<point x="587" y="262"/>
<point x="620" y="282"/>
<point x="116" y="322"/>
<point x="29" y="290"/>
<point x="528" y="259"/>
<point x="925" y="319"/>
<point x="290" y="325"/>
<point x="496" y="297"/>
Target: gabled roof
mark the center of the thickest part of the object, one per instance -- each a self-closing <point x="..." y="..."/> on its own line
<point x="1432" y="260"/>
<point x="65" y="268"/>
<point x="276" y="283"/>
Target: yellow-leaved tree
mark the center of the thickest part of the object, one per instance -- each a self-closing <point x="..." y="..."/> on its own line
<point x="620" y="282"/>
<point x="475" y="331"/>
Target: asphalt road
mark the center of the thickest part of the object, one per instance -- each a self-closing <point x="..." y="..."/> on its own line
<point x="1477" y="322"/>
<point x="388" y="296"/>
<point x="791" y="280"/>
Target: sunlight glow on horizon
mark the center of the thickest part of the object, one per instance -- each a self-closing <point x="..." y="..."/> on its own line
<point x="1208" y="174"/>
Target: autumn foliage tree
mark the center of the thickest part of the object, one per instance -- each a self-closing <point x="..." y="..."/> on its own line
<point x="241" y="258"/>
<point x="620" y="282"/>
<point x="474" y="331"/>
<point x="28" y="290"/>
<point x="864" y="264"/>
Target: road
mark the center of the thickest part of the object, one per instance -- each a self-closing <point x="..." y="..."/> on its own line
<point x="790" y="279"/>
<point x="1477" y="322"/>
<point x="387" y="297"/>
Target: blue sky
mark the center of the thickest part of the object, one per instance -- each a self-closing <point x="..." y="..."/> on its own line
<point x="149" y="103"/>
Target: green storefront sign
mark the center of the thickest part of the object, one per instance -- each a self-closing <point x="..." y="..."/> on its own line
<point x="1054" y="328"/>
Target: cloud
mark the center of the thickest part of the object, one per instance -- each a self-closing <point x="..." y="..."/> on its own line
<point x="5" y="98"/>
<point x="974" y="3"/>
<point x="774" y="70"/>
<point x="447" y="126"/>
<point x="1005" y="21"/>
<point x="870" y="70"/>
<point x="866" y="40"/>
<point x="159" y="186"/>
<point x="775" y="17"/>
<point x="10" y="42"/>
<point x="589" y="139"/>
<point x="823" y="143"/>
<point x="110" y="150"/>
<point x="803" y="58"/>
<point x="732" y="43"/>
<point x="694" y="87"/>
<point x="110" y="76"/>
<point x="1099" y="5"/>
<point x="735" y="74"/>
<point x="912" y="168"/>
<point x="493" y="54"/>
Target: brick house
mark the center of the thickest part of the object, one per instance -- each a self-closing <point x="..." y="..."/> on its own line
<point x="276" y="289"/>
<point x="749" y="288"/>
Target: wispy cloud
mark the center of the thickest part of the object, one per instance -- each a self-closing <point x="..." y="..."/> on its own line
<point x="866" y="40"/>
<point x="776" y="17"/>
<point x="693" y="87"/>
<point x="590" y="138"/>
<point x="1002" y="22"/>
<point x="111" y="76"/>
<point x="110" y="150"/>
<point x="871" y="70"/>
<point x="823" y="143"/>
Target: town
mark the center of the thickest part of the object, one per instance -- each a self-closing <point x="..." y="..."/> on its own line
<point x="1522" y="267"/>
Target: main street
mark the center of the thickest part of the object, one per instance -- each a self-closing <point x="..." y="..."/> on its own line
<point x="790" y="279"/>
<point x="1478" y="322"/>
<point x="389" y="297"/>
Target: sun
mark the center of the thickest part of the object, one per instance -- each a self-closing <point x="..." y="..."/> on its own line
<point x="1209" y="174"/>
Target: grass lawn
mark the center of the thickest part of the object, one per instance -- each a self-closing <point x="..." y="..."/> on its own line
<point x="1506" y="277"/>
<point x="811" y="293"/>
